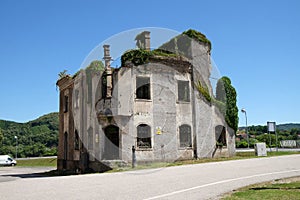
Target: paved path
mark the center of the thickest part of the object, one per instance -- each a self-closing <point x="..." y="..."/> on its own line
<point x="14" y="173"/>
<point x="201" y="181"/>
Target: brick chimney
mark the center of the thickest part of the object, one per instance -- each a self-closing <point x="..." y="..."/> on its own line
<point x="106" y="57"/>
<point x="147" y="40"/>
<point x="143" y="40"/>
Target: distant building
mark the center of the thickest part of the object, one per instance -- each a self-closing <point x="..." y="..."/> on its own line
<point x="154" y="107"/>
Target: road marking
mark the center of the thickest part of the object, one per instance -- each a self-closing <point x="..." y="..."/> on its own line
<point x="219" y="182"/>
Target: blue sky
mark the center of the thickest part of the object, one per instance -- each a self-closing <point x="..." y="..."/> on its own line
<point x="255" y="43"/>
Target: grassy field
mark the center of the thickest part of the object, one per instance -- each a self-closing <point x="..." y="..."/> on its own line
<point x="37" y="162"/>
<point x="288" y="189"/>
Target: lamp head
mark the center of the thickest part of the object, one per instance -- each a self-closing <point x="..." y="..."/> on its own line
<point x="243" y="110"/>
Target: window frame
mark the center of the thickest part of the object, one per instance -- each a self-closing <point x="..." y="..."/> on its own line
<point x="139" y="90"/>
<point x="183" y="98"/>
<point x="189" y="138"/>
<point x="144" y="139"/>
<point x="221" y="140"/>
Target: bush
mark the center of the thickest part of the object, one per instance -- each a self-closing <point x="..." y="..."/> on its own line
<point x="241" y="144"/>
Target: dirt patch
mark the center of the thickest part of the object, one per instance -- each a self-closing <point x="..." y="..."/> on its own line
<point x="286" y="180"/>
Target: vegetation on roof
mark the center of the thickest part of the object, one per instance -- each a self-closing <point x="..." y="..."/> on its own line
<point x="177" y="46"/>
<point x="95" y="66"/>
<point x="62" y="74"/>
<point x="142" y="56"/>
<point x="198" y="36"/>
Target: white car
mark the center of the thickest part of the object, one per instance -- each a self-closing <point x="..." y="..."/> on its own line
<point x="6" y="160"/>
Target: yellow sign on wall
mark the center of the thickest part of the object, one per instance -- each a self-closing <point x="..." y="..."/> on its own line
<point x="158" y="130"/>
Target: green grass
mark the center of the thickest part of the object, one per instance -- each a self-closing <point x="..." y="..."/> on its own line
<point x="269" y="191"/>
<point x="38" y="162"/>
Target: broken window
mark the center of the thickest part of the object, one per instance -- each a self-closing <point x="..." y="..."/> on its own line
<point x="185" y="136"/>
<point x="66" y="104"/>
<point x="220" y="132"/>
<point x="183" y="91"/>
<point x="144" y="136"/>
<point x="142" y="87"/>
<point x="76" y="140"/>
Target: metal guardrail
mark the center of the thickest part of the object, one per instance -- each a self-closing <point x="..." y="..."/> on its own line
<point x="268" y="149"/>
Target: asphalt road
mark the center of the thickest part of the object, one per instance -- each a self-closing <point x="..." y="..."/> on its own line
<point x="201" y="181"/>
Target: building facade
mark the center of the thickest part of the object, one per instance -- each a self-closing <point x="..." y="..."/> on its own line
<point x="154" y="108"/>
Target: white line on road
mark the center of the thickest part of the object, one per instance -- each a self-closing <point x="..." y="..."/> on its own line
<point x="219" y="182"/>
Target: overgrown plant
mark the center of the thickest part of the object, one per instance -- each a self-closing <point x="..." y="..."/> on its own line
<point x="62" y="74"/>
<point x="198" y="37"/>
<point x="142" y="56"/>
<point x="226" y="94"/>
<point x="203" y="89"/>
<point x="179" y="45"/>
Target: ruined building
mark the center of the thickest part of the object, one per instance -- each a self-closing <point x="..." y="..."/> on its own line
<point x="157" y="102"/>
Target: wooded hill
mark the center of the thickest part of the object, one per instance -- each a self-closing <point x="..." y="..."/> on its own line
<point x="35" y="138"/>
<point x="258" y="134"/>
<point x="282" y="127"/>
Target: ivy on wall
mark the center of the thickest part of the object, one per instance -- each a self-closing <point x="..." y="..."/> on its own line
<point x="225" y="100"/>
<point x="226" y="94"/>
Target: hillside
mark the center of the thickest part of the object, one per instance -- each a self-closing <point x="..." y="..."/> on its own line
<point x="257" y="134"/>
<point x="38" y="137"/>
<point x="282" y="127"/>
<point x="286" y="127"/>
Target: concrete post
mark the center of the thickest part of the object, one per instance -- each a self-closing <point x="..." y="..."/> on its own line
<point x="133" y="157"/>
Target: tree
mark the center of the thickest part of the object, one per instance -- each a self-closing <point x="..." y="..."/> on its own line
<point x="1" y="136"/>
<point x="35" y="138"/>
<point x="226" y="93"/>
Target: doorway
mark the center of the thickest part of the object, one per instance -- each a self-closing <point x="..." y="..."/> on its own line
<point x="111" y="144"/>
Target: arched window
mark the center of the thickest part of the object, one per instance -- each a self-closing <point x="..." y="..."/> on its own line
<point x="183" y="91"/>
<point x="144" y="136"/>
<point x="143" y="88"/>
<point x="185" y="136"/>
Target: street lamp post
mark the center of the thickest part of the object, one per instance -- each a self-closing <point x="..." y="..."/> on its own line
<point x="244" y="111"/>
<point x="16" y="137"/>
